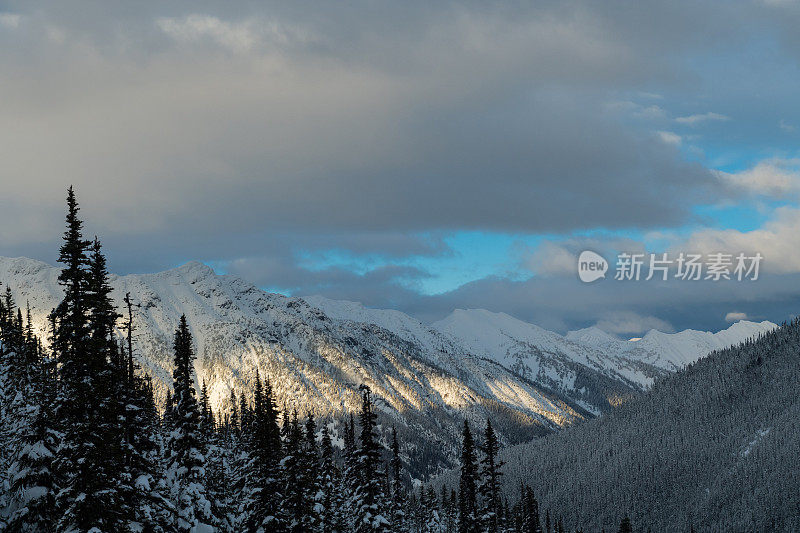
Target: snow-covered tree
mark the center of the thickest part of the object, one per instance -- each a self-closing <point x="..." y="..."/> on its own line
<point x="89" y="458"/>
<point x="397" y="490"/>
<point x="186" y="463"/>
<point x="329" y="501"/>
<point x="31" y="485"/>
<point x="490" y="489"/>
<point x="369" y="501"/>
<point x="261" y="472"/>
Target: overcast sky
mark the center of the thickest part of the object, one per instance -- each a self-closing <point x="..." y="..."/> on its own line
<point x="416" y="155"/>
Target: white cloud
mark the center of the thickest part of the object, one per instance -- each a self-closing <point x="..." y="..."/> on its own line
<point x="669" y="137"/>
<point x="785" y="126"/>
<point x="735" y="316"/>
<point x="550" y="258"/>
<point x="774" y="177"/>
<point x="693" y="120"/>
<point x="778" y="241"/>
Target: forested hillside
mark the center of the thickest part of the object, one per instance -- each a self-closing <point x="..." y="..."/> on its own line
<point x="314" y="362"/>
<point x="715" y="447"/>
<point x="84" y="447"/>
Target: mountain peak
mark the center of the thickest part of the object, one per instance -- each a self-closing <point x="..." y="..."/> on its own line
<point x="592" y="335"/>
<point x="195" y="267"/>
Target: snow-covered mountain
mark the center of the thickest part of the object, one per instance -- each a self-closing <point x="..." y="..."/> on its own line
<point x="591" y="367"/>
<point x="423" y="382"/>
<point x="427" y="378"/>
<point x="581" y="363"/>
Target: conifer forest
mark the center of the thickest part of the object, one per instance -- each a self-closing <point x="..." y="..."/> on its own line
<point x="85" y="447"/>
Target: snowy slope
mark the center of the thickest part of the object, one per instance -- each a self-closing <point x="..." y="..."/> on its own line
<point x="676" y="350"/>
<point x="671" y="351"/>
<point x="576" y="364"/>
<point x="425" y="383"/>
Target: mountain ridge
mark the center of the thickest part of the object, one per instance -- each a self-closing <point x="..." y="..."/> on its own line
<point x="314" y="362"/>
<point x="317" y="352"/>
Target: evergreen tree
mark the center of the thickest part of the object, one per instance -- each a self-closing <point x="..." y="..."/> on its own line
<point x="310" y="473"/>
<point x="88" y="460"/>
<point x="368" y="495"/>
<point x="110" y="392"/>
<point x="490" y="487"/>
<point x="234" y="415"/>
<point x="468" y="518"/>
<point x="206" y="416"/>
<point x="186" y="469"/>
<point x="218" y="461"/>
<point x="529" y="512"/>
<point x="263" y="493"/>
<point x="432" y="520"/>
<point x="329" y="501"/>
<point x="71" y="347"/>
<point x="350" y="455"/>
<point x="295" y="495"/>
<point x="396" y="486"/>
<point x="31" y="482"/>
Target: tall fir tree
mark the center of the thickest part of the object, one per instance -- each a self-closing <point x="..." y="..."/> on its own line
<point x="491" y="512"/>
<point x="295" y="495"/>
<point x="529" y="512"/>
<point x="468" y="515"/>
<point x="310" y="473"/>
<point x="329" y="502"/>
<point x="110" y="392"/>
<point x="86" y="406"/>
<point x="396" y="486"/>
<point x="368" y="496"/>
<point x="186" y="462"/>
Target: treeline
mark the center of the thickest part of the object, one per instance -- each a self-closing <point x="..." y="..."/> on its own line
<point x="84" y="448"/>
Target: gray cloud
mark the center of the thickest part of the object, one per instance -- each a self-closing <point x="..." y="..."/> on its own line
<point x="478" y="116"/>
<point x="565" y="303"/>
<point x="245" y="133"/>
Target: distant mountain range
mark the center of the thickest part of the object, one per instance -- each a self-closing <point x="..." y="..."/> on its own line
<point x="427" y="378"/>
<point x="590" y="366"/>
<point x="715" y="447"/>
